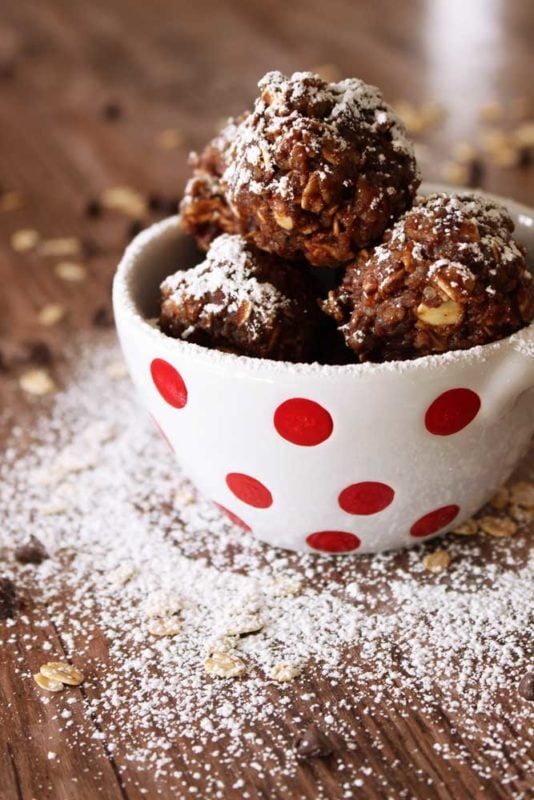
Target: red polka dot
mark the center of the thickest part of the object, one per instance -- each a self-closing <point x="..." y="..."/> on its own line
<point x="169" y="383"/>
<point x="249" y="490"/>
<point x="452" y="411"/>
<point x="303" y="422"/>
<point x="333" y="541"/>
<point x="434" y="521"/>
<point x="162" y="433"/>
<point x="368" y="497"/>
<point x="234" y="518"/>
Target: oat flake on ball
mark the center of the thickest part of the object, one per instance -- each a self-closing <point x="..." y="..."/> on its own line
<point x="448" y="276"/>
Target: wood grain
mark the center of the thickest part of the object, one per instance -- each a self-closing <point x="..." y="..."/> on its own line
<point x="186" y="65"/>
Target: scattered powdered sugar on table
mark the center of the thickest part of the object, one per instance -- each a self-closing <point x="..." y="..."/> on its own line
<point x="130" y="543"/>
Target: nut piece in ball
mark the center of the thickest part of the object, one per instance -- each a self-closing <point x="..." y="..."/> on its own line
<point x="448" y="276"/>
<point x="244" y="301"/>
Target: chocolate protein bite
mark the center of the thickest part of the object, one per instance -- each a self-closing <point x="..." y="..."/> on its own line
<point x="242" y="300"/>
<point x="204" y="210"/>
<point x="317" y="170"/>
<point x="448" y="276"/>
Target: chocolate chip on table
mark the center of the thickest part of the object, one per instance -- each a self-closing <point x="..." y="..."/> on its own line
<point x="39" y="352"/>
<point x="16" y="354"/>
<point x="93" y="208"/>
<point x="313" y="744"/>
<point x="103" y="317"/>
<point x="170" y="205"/>
<point x="111" y="111"/>
<point x="525" y="157"/>
<point x="155" y="202"/>
<point x="33" y="552"/>
<point x="476" y="173"/>
<point x="8" y="598"/>
<point x="526" y="686"/>
<point x="158" y="204"/>
<point x="134" y="227"/>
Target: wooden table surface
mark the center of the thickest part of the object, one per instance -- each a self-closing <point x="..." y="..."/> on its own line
<point x="66" y="68"/>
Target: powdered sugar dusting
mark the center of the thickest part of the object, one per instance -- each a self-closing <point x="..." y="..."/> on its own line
<point x="349" y="105"/>
<point x="226" y="268"/>
<point x="457" y="208"/>
<point x="387" y="638"/>
<point x="227" y="275"/>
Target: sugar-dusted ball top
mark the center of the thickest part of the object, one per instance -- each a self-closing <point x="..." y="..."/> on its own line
<point x="317" y="170"/>
<point x="242" y="300"/>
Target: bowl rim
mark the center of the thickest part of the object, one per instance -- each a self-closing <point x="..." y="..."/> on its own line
<point x="124" y="305"/>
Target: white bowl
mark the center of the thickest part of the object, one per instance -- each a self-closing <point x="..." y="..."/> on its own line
<point x="345" y="459"/>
